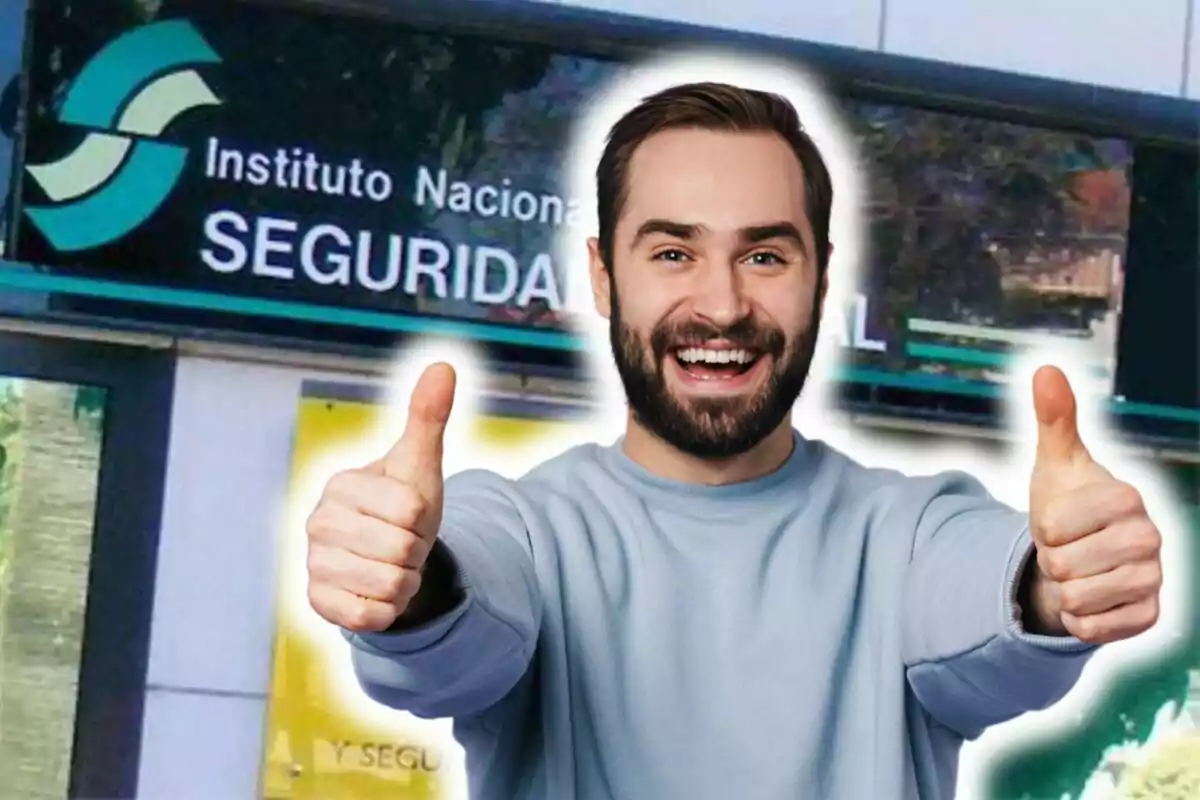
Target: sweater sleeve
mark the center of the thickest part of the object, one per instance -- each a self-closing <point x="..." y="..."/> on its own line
<point x="969" y="660"/>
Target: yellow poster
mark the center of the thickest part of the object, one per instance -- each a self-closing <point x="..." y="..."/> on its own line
<point x="324" y="740"/>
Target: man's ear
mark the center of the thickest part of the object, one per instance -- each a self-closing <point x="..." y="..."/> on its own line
<point x="601" y="279"/>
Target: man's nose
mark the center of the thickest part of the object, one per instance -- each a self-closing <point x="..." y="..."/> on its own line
<point x="719" y="295"/>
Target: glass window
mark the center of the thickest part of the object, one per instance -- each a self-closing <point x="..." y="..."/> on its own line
<point x="12" y="39"/>
<point x="50" y="442"/>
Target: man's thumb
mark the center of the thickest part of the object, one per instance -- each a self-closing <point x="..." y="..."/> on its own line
<point x="417" y="457"/>
<point x="1058" y="428"/>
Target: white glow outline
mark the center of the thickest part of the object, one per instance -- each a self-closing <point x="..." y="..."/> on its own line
<point x="1006" y="477"/>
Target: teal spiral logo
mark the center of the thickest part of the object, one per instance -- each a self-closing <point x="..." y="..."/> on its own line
<point x="126" y="96"/>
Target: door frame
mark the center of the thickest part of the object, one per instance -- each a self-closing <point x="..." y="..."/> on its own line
<point x="110" y="700"/>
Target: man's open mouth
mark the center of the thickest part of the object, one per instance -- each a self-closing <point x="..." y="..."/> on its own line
<point x="716" y="364"/>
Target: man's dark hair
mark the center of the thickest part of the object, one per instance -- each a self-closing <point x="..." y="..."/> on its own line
<point x="714" y="107"/>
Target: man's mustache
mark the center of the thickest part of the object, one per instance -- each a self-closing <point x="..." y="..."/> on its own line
<point x="745" y="333"/>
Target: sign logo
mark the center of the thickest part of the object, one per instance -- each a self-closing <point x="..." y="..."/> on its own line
<point x="119" y="175"/>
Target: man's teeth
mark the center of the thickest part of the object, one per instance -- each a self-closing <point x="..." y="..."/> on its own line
<point x="699" y="355"/>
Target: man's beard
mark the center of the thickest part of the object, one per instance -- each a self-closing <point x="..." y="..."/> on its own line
<point x="712" y="428"/>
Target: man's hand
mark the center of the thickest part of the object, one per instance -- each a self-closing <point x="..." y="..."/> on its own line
<point x="373" y="529"/>
<point x="1098" y="570"/>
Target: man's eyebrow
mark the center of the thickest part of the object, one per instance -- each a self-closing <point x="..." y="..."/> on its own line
<point x="678" y="230"/>
<point x="750" y="235"/>
<point x="775" y="230"/>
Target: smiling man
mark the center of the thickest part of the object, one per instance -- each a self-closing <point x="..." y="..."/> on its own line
<point x="714" y="606"/>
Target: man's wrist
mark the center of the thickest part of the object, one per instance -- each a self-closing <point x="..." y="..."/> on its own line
<point x="1037" y="599"/>
<point x="440" y="593"/>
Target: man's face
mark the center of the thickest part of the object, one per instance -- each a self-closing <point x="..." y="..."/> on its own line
<point x="714" y="300"/>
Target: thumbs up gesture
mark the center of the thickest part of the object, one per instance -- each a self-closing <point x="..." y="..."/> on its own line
<point x="374" y="527"/>
<point x="1098" y="569"/>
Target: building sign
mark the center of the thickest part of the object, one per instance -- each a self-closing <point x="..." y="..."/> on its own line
<point x="201" y="155"/>
<point x="207" y="149"/>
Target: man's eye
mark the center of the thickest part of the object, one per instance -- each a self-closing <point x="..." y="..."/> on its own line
<point x="765" y="259"/>
<point x="670" y="255"/>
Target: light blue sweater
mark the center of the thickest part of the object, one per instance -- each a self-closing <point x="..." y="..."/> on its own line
<point x="827" y="631"/>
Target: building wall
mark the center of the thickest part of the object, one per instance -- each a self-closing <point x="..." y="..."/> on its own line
<point x="1115" y="43"/>
<point x="1191" y="78"/>
<point x="214" y="617"/>
<point x="214" y="605"/>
